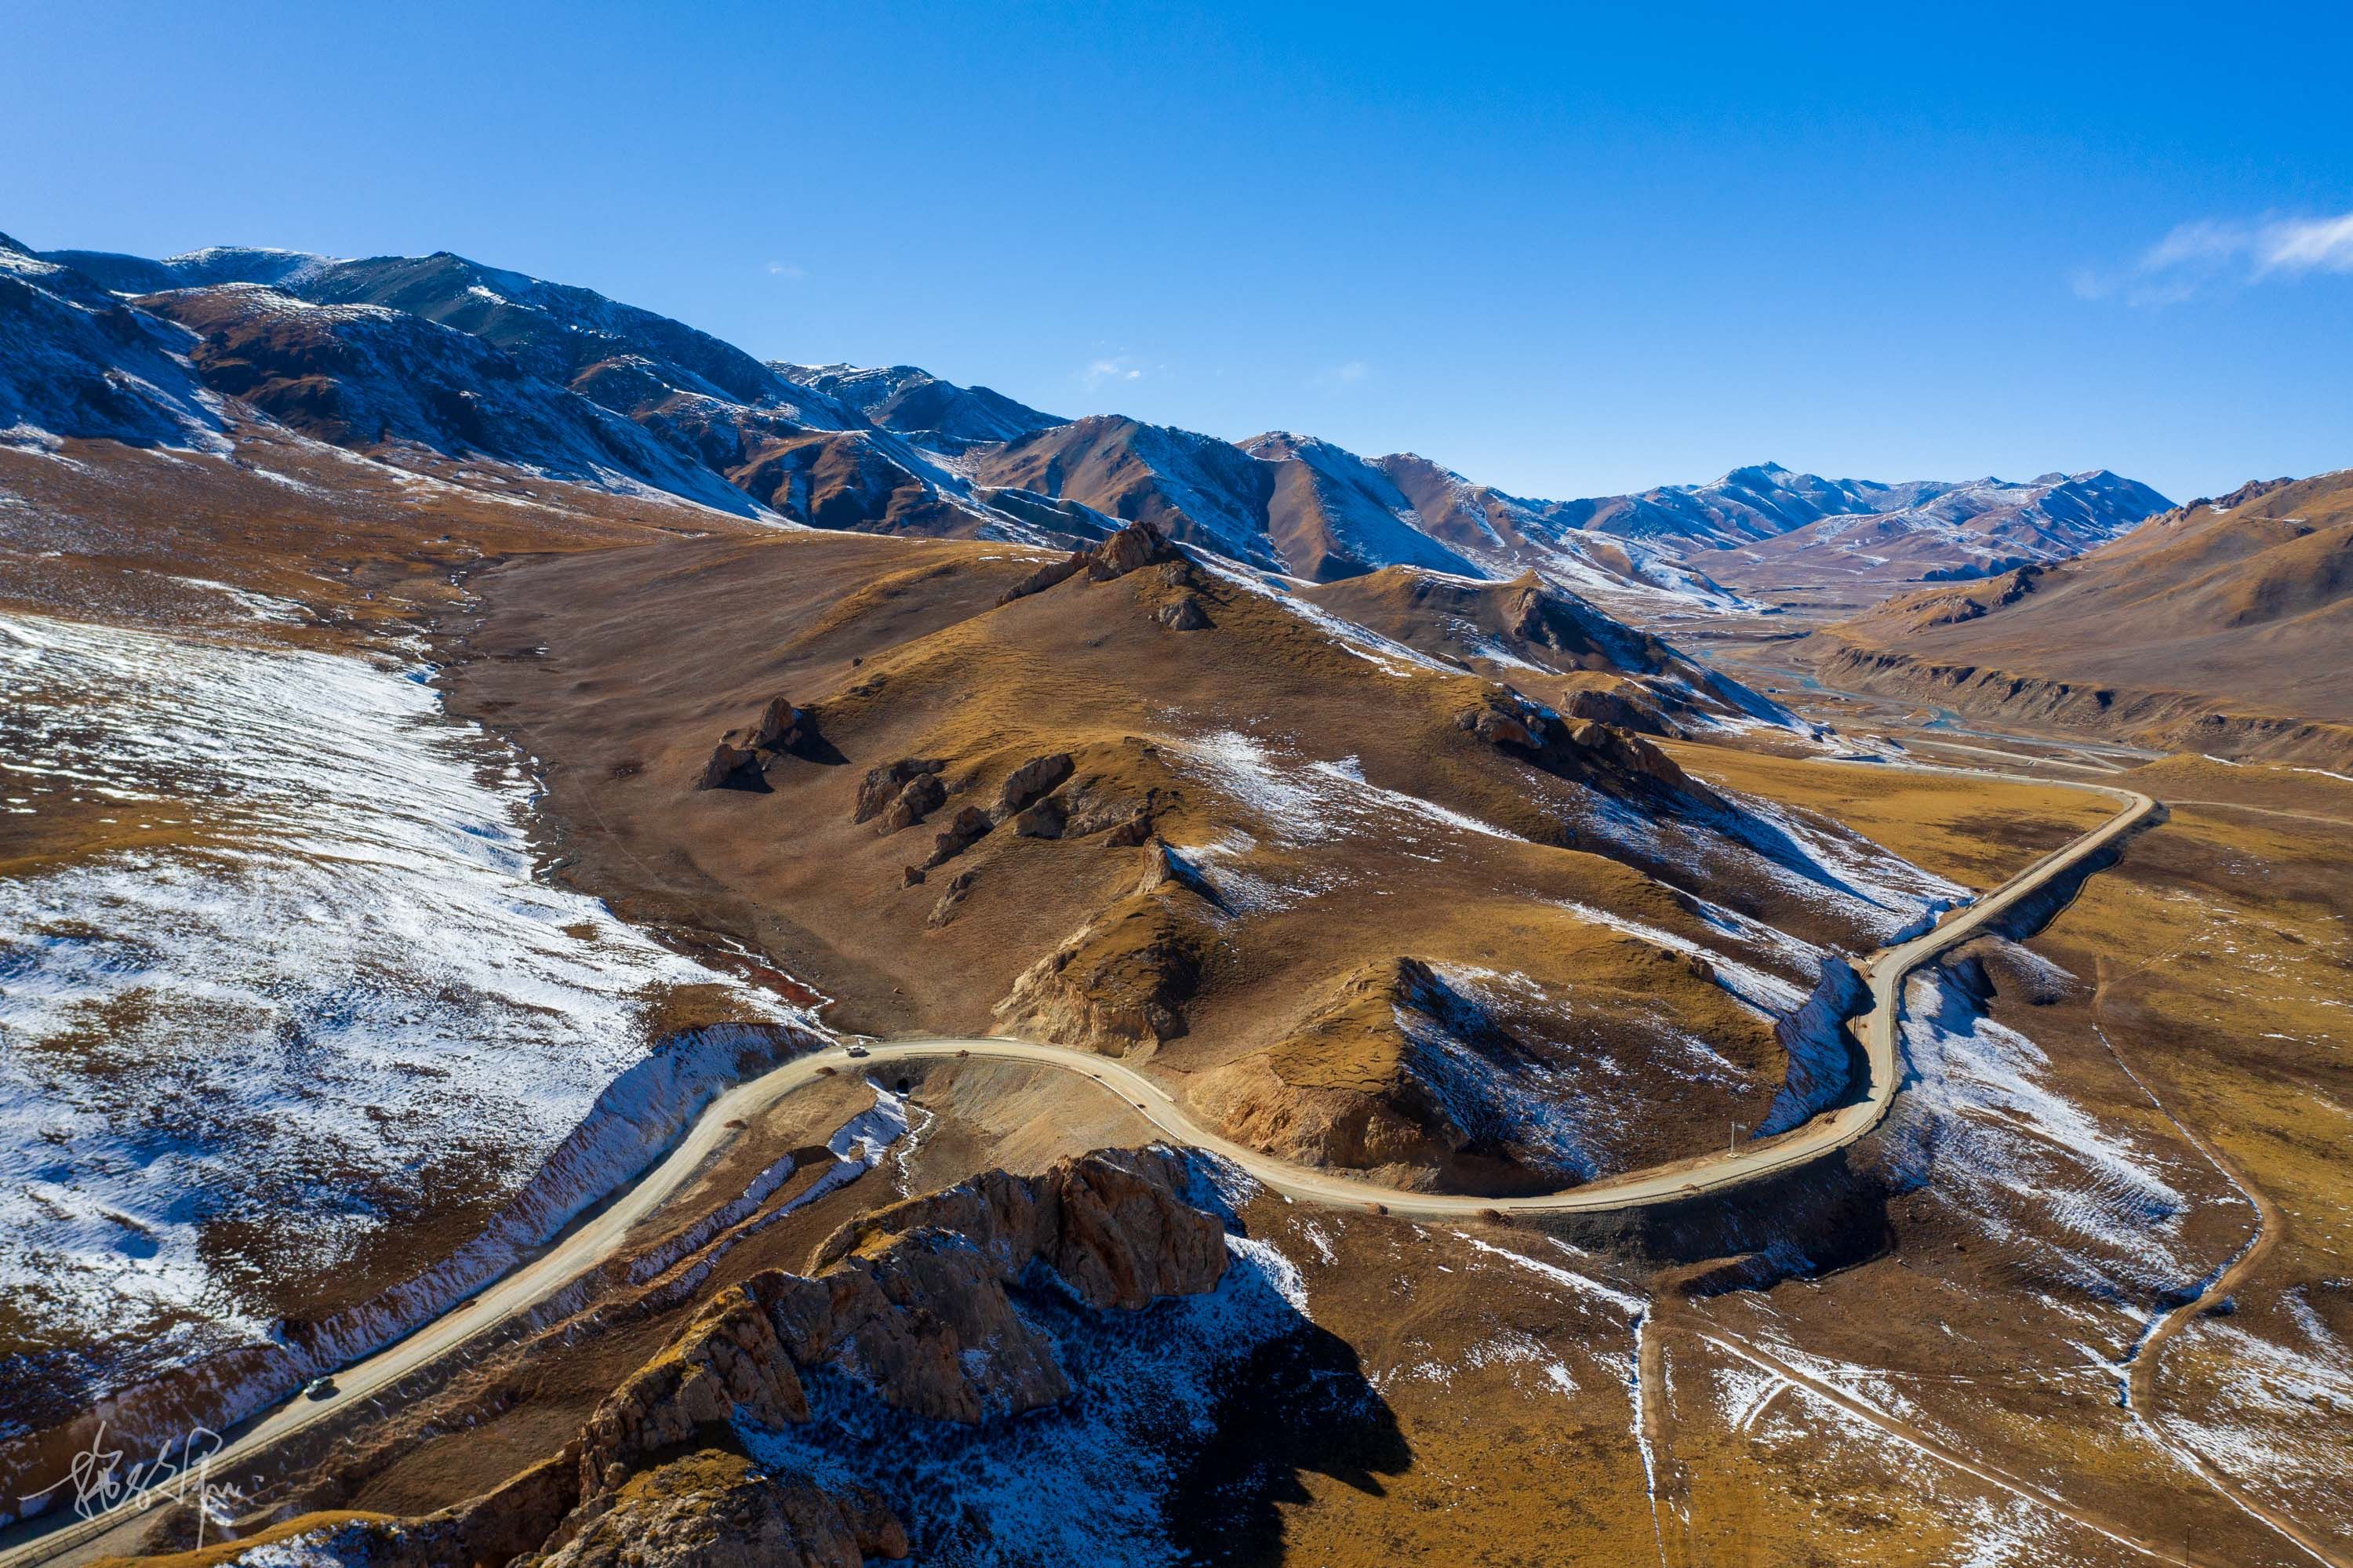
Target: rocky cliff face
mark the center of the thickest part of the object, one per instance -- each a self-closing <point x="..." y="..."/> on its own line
<point x="910" y="1300"/>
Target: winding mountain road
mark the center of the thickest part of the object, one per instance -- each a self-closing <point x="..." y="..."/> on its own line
<point x="598" y="1238"/>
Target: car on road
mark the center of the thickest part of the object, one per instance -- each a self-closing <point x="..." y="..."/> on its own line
<point x="860" y="1051"/>
<point x="321" y="1388"/>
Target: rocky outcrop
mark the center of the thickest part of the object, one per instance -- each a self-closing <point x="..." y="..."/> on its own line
<point x="781" y="726"/>
<point x="968" y="828"/>
<point x="1031" y="780"/>
<point x="1133" y="547"/>
<point x="1134" y="829"/>
<point x="883" y="785"/>
<point x="1111" y="1224"/>
<point x="1630" y="756"/>
<point x="1573" y="746"/>
<point x="1165" y="869"/>
<point x="782" y="729"/>
<point x="1046" y="820"/>
<point x="1183" y="614"/>
<point x="1622" y="706"/>
<point x="1109" y="800"/>
<point x="923" y="795"/>
<point x="912" y="1301"/>
<point x="951" y="896"/>
<point x="713" y="1508"/>
<point x="731" y="767"/>
<point x="1123" y="980"/>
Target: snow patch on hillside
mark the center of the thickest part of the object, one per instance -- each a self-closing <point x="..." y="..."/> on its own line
<point x="326" y="990"/>
<point x="1294" y="802"/>
<point x="1978" y="1120"/>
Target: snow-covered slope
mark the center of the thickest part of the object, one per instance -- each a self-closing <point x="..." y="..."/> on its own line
<point x="1334" y="515"/>
<point x="930" y="412"/>
<point x="364" y="374"/>
<point x="196" y="270"/>
<point x="76" y="361"/>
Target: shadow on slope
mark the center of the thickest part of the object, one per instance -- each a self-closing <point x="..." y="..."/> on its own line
<point x="1188" y="1423"/>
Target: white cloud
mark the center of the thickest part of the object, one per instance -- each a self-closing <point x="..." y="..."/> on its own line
<point x="785" y="270"/>
<point x="2308" y="245"/>
<point x="2209" y="252"/>
<point x="1103" y="372"/>
<point x="1346" y="374"/>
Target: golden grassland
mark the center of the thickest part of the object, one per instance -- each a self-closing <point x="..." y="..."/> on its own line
<point x="1978" y="831"/>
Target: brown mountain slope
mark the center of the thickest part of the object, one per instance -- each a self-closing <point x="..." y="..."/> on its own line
<point x="2226" y="625"/>
<point x="1153" y="807"/>
<point x="1196" y="489"/>
<point x="1548" y="643"/>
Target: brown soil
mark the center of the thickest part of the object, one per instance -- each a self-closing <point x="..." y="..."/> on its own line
<point x="902" y="654"/>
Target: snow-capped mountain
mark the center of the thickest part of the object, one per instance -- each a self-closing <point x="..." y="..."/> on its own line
<point x="1943" y="531"/>
<point x="362" y="376"/>
<point x="447" y="355"/>
<point x="930" y="412"/>
<point x="77" y="360"/>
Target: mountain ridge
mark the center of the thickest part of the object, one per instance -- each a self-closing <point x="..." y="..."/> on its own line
<point x="897" y="450"/>
<point x="2225" y="624"/>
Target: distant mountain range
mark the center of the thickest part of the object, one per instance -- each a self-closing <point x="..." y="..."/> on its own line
<point x="2223" y="625"/>
<point x="442" y="354"/>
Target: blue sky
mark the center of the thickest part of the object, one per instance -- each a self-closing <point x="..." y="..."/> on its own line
<point x="1566" y="252"/>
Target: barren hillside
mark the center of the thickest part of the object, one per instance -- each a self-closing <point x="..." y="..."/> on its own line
<point x="2224" y="625"/>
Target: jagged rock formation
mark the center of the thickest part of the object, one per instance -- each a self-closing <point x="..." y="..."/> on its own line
<point x="782" y="730"/>
<point x="895" y="781"/>
<point x="1575" y="747"/>
<point x="968" y="828"/>
<point x="923" y="795"/>
<point x="1030" y="781"/>
<point x="730" y="768"/>
<point x="910" y="1300"/>
<point x="781" y="726"/>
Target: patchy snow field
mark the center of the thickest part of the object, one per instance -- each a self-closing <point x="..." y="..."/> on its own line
<point x="1978" y="1122"/>
<point x="322" y="995"/>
